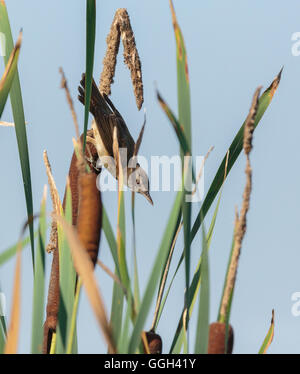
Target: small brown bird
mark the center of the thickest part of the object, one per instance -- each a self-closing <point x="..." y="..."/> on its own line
<point x="106" y="118"/>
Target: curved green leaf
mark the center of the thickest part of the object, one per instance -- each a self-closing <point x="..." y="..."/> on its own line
<point x="19" y="120"/>
<point x="269" y="337"/>
<point x="9" y="73"/>
<point x="234" y="151"/>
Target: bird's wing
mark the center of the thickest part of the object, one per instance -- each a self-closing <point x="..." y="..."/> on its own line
<point x="125" y="139"/>
<point x="106" y="118"/>
<point x="101" y="113"/>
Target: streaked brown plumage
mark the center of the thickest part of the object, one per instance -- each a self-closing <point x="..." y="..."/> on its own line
<point x="106" y="118"/>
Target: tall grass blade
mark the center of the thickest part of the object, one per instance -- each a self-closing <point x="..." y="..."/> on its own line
<point x="19" y="120"/>
<point x="195" y="285"/>
<point x="184" y="144"/>
<point x="11" y="252"/>
<point x="124" y="338"/>
<point x="3" y="324"/>
<point x="184" y="115"/>
<point x="109" y="234"/>
<point x="117" y="312"/>
<point x="90" y="48"/>
<point x="72" y="343"/>
<point x="9" y="73"/>
<point x="201" y="342"/>
<point x="39" y="283"/>
<point x="183" y="85"/>
<point x="155" y="273"/>
<point x="162" y="284"/>
<point x="121" y="241"/>
<point x="118" y="293"/>
<point x="2" y="339"/>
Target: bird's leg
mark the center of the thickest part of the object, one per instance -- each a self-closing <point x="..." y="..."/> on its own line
<point x="90" y="158"/>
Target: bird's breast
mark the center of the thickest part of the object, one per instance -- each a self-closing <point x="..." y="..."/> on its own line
<point x="106" y="160"/>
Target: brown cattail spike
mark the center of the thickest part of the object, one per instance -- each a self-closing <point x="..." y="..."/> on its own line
<point x="249" y="124"/>
<point x="154" y="342"/>
<point x="241" y="220"/>
<point x="55" y="203"/>
<point x="121" y="28"/>
<point x="90" y="214"/>
<point x="217" y="337"/>
<point x="53" y="292"/>
<point x="52" y="303"/>
<point x="91" y="155"/>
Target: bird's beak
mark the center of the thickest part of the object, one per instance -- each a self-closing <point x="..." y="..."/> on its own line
<point x="148" y="197"/>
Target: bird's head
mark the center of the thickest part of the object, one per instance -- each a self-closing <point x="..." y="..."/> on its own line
<point x="138" y="181"/>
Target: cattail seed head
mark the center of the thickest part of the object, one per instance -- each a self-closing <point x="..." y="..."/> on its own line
<point x="154" y="342"/>
<point x="217" y="336"/>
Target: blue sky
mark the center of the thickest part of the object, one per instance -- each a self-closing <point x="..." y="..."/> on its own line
<point x="232" y="46"/>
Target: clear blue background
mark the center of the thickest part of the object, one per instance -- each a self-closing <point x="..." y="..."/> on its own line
<point x="233" y="46"/>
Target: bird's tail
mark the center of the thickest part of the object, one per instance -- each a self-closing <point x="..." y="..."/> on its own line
<point x="97" y="102"/>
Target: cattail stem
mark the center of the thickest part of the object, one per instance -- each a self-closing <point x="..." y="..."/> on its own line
<point x="240" y="222"/>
